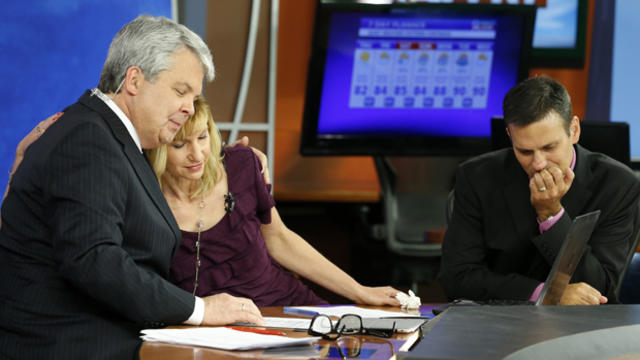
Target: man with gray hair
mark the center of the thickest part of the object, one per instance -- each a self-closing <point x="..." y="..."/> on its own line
<point x="87" y="236"/>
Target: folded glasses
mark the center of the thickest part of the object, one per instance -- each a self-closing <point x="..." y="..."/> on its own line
<point x="348" y="324"/>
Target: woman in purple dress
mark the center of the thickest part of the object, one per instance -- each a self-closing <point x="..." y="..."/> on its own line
<point x="233" y="240"/>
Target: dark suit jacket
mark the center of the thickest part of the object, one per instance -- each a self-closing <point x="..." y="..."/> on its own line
<point x="493" y="248"/>
<point x="86" y="243"/>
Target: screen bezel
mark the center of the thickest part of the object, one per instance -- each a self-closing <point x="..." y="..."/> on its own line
<point x="311" y="144"/>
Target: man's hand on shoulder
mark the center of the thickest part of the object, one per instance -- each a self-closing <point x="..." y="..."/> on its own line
<point x="547" y="188"/>
<point x="582" y="294"/>
<point x="244" y="141"/>
<point x="223" y="309"/>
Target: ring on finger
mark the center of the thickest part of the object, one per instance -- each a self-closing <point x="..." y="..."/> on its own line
<point x="242" y="307"/>
<point x="542" y="188"/>
<point x="38" y="129"/>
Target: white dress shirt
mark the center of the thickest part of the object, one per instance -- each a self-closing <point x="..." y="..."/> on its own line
<point x="198" y="310"/>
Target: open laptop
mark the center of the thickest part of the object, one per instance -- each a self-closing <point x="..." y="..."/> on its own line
<point x="562" y="269"/>
<point x="568" y="258"/>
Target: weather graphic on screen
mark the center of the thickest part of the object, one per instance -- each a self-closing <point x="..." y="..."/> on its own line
<point x="417" y="63"/>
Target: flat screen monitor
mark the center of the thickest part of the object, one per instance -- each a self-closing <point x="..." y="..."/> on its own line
<point x="411" y="79"/>
<point x="559" y="33"/>
<point x="559" y="36"/>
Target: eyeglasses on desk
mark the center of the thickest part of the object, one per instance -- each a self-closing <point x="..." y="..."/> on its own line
<point x="348" y="324"/>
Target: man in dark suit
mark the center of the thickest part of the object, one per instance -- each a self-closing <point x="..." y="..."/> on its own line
<point x="87" y="236"/>
<point x="513" y="207"/>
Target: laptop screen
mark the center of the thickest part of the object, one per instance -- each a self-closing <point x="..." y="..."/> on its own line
<point x="568" y="258"/>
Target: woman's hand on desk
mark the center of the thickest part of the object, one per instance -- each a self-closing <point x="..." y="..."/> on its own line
<point x="382" y="295"/>
<point x="223" y="309"/>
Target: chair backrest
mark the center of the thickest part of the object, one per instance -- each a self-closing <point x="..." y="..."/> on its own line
<point x="609" y="138"/>
<point x="624" y="280"/>
<point x="449" y="206"/>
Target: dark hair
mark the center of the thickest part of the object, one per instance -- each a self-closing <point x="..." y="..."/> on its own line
<point x="533" y="99"/>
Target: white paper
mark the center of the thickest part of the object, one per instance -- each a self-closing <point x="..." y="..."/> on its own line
<point x="221" y="338"/>
<point x="301" y="324"/>
<point x="351" y="309"/>
<point x="288" y="323"/>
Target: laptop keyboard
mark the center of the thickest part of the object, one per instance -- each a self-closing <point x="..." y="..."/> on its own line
<point x="493" y="302"/>
<point x="505" y="302"/>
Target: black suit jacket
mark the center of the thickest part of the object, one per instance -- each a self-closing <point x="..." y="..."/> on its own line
<point x="86" y="243"/>
<point x="493" y="248"/>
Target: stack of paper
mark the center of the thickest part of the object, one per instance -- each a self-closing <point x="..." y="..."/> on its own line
<point x="300" y="324"/>
<point x="221" y="338"/>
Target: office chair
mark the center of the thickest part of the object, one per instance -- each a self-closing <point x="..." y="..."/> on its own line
<point x="407" y="215"/>
<point x="413" y="195"/>
<point x="609" y="138"/>
<point x="448" y="210"/>
<point x="627" y="289"/>
<point x="629" y="292"/>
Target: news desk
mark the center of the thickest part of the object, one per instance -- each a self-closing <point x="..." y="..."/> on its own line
<point x="466" y="332"/>
<point x="352" y="346"/>
<point x="532" y="332"/>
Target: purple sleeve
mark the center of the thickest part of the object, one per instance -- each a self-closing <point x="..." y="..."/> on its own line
<point x="536" y="292"/>
<point x="263" y="195"/>
<point x="547" y="224"/>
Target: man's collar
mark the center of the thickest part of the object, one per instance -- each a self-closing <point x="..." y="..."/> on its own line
<point x="582" y="186"/>
<point x="121" y="115"/>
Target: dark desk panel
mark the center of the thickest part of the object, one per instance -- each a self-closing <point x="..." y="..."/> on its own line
<point x="493" y="332"/>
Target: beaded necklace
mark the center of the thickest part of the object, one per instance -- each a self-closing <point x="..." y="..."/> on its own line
<point x="229" y="206"/>
<point x="200" y="226"/>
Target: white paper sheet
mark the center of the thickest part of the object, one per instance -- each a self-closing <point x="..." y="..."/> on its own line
<point x="288" y="323"/>
<point x="350" y="309"/>
<point x="221" y="338"/>
<point x="297" y="324"/>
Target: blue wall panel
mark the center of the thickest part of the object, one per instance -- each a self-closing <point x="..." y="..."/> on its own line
<point x="625" y="77"/>
<point x="50" y="52"/>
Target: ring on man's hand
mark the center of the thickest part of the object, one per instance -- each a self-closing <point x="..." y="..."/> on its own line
<point x="543" y="188"/>
<point x="38" y="129"/>
<point x="242" y="307"/>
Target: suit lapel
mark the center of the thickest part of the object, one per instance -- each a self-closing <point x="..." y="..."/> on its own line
<point x="517" y="196"/>
<point x="138" y="161"/>
<point x="575" y="199"/>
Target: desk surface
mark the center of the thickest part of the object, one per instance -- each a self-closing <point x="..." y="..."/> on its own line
<point x="369" y="347"/>
<point x="493" y="332"/>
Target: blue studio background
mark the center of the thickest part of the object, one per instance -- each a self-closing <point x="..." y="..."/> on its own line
<point x="625" y="74"/>
<point x="52" y="51"/>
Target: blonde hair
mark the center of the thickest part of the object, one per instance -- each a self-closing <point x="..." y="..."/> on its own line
<point x="213" y="167"/>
